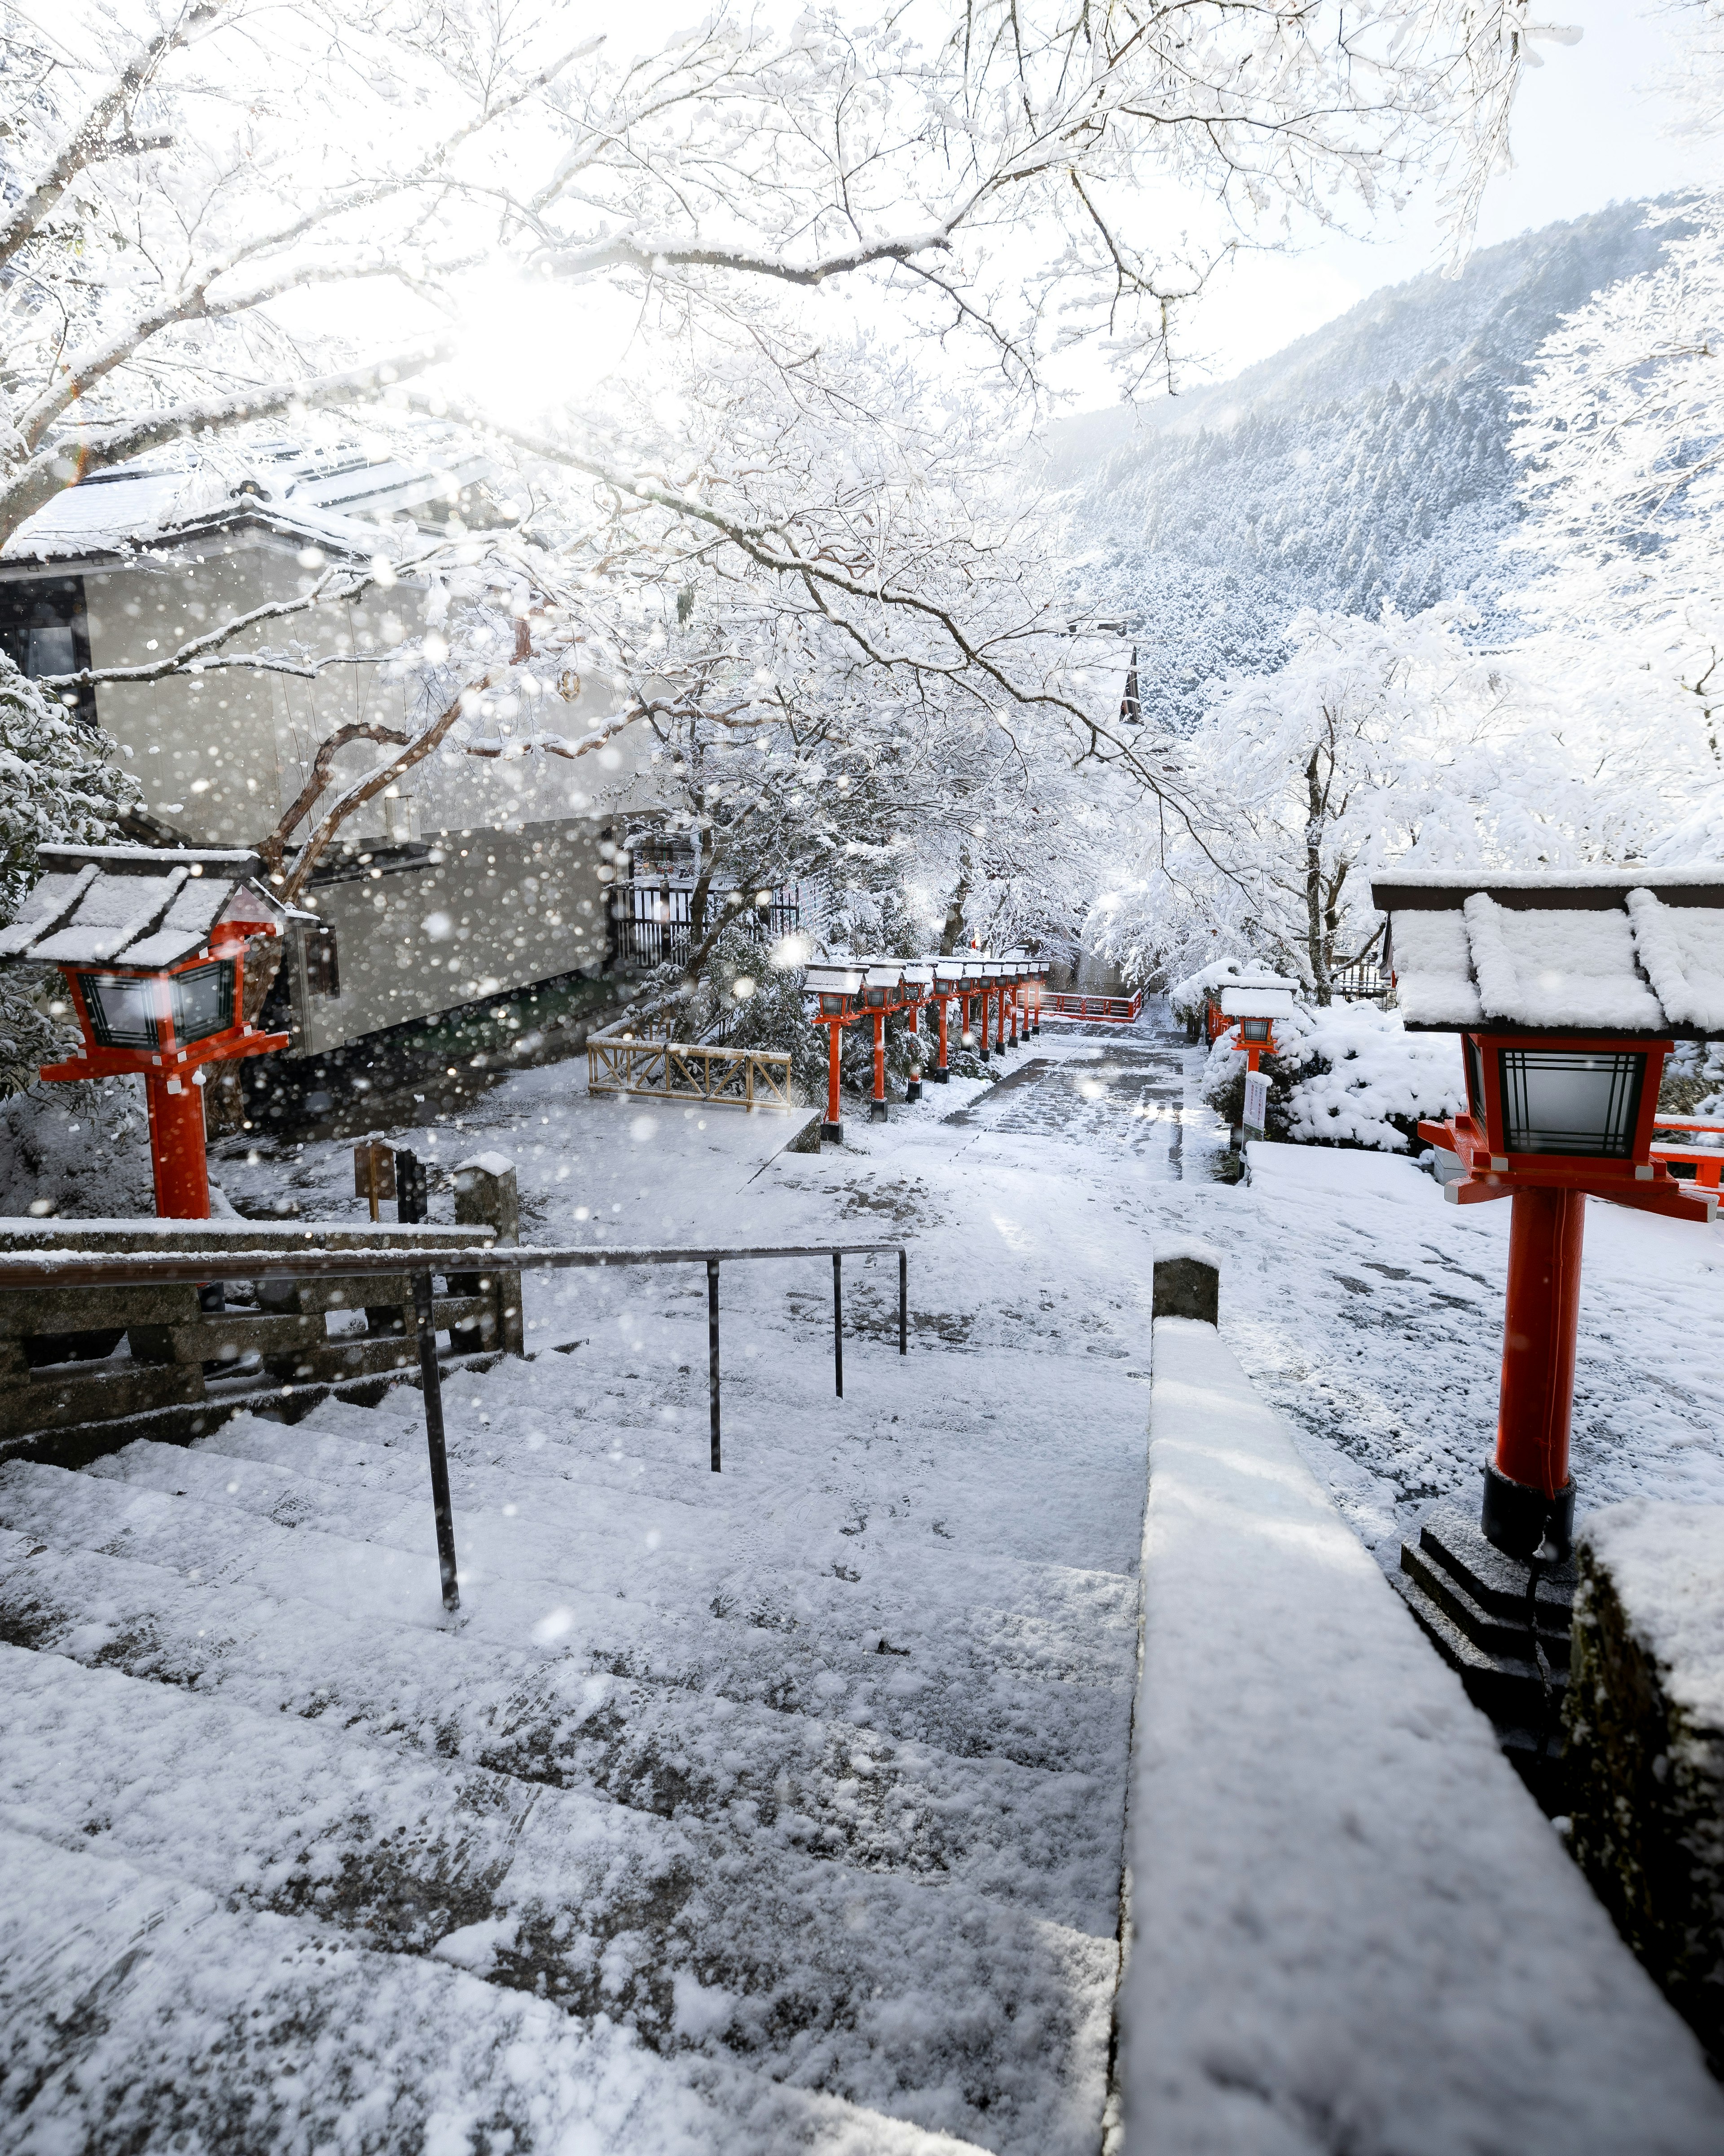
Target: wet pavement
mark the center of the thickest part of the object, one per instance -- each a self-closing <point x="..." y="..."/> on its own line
<point x="1114" y="1090"/>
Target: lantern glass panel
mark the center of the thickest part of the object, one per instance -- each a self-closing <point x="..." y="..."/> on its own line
<point x="832" y="1006"/>
<point x="202" y="1001"/>
<point x="123" y="1013"/>
<point x="1558" y="1101"/>
<point x="1254" y="1028"/>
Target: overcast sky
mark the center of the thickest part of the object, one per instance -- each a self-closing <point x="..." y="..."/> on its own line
<point x="1588" y="130"/>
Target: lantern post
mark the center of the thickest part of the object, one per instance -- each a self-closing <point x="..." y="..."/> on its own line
<point x="882" y="991"/>
<point x="1568" y="991"/>
<point x="918" y="986"/>
<point x="153" y="945"/>
<point x="837" y="991"/>
<point x="948" y="981"/>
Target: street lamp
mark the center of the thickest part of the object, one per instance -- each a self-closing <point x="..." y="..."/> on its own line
<point x="153" y="945"/>
<point x="1568" y="991"/>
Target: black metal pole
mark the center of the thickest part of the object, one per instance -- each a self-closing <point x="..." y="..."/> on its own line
<point x="903" y="1302"/>
<point x="432" y="1380"/>
<point x="838" y="1320"/>
<point x="712" y="1352"/>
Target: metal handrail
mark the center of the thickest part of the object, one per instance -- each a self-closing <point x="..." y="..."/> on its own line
<point x="26" y="1270"/>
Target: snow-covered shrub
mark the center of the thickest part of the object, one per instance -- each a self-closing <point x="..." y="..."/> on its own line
<point x="1693" y="1080"/>
<point x="55" y="782"/>
<point x="1189" y="996"/>
<point x="1350" y="1076"/>
<point x="76" y="1150"/>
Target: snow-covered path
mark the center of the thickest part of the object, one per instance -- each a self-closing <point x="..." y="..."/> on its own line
<point x="772" y="1810"/>
<point x="781" y="1808"/>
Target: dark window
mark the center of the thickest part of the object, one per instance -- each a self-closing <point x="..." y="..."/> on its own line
<point x="323" y="970"/>
<point x="203" y="1001"/>
<point x="1564" y="1101"/>
<point x="44" y="629"/>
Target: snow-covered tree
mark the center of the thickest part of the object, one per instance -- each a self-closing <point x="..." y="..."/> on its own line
<point x="56" y="784"/>
<point x="225" y="212"/>
<point x="1378" y="742"/>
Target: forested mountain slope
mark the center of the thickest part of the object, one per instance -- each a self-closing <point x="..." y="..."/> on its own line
<point x="1366" y="462"/>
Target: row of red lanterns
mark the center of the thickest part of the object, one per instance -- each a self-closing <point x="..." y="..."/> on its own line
<point x="1008" y="990"/>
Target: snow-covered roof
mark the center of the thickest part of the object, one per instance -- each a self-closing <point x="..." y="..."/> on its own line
<point x="135" y="907"/>
<point x="337" y="498"/>
<point x="1592" y="951"/>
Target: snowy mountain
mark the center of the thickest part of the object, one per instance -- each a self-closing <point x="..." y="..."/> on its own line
<point x="1368" y="461"/>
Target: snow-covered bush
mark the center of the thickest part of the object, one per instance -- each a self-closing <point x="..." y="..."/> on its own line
<point x="1347" y="1075"/>
<point x="78" y="1151"/>
<point x="55" y="782"/>
<point x="1693" y="1080"/>
<point x="1190" y="997"/>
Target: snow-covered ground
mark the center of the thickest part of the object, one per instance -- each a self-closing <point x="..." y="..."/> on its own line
<point x="784" y="1806"/>
<point x="772" y="1810"/>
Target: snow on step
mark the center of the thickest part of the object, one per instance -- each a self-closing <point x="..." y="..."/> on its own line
<point x="972" y="1689"/>
<point x="1046" y="1839"/>
<point x="142" y="2014"/>
<point x="919" y="2001"/>
<point x="512" y="1524"/>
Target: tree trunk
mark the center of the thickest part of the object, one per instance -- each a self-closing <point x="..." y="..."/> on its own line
<point x="1316" y="950"/>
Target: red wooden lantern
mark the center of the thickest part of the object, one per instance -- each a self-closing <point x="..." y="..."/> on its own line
<point x="949" y="976"/>
<point x="1251" y="1006"/>
<point x="1568" y="991"/>
<point x="837" y="991"/>
<point x="152" y="946"/>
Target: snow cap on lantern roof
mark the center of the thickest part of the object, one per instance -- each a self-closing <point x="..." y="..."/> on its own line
<point x="917" y="972"/>
<point x="839" y="980"/>
<point x="1606" y="950"/>
<point x="1252" y="1001"/>
<point x="139" y="906"/>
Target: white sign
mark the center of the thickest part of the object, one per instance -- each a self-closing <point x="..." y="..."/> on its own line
<point x="1256" y="1103"/>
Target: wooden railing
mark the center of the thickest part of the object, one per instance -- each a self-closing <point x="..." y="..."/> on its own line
<point x="1095" y="1010"/>
<point x="1706" y="1157"/>
<point x="688" y="1070"/>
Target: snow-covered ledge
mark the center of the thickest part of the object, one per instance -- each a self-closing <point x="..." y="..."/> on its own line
<point x="1350" y="1926"/>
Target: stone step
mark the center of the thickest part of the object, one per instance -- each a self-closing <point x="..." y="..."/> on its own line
<point x="510" y="1520"/>
<point x="971" y="1687"/>
<point x="142" y="2013"/>
<point x="816" y="1975"/>
<point x="1494" y="1635"/>
<point x="832" y="1788"/>
<point x="1496" y="1582"/>
<point x="1510" y="1691"/>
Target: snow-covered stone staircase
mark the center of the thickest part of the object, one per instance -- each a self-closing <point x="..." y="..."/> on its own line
<point x="700" y="1828"/>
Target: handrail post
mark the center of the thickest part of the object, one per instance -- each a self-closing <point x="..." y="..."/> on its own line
<point x="432" y="1377"/>
<point x="712" y="1353"/>
<point x="903" y="1302"/>
<point x="838" y="1320"/>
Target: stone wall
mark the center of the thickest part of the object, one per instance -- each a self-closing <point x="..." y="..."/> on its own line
<point x="1645" y="1758"/>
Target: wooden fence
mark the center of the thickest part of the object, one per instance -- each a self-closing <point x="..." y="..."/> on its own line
<point x="1095" y="1010"/>
<point x="690" y="1071"/>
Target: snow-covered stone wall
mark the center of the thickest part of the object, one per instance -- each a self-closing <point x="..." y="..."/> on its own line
<point x="1645" y="1714"/>
<point x="1350" y="1926"/>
